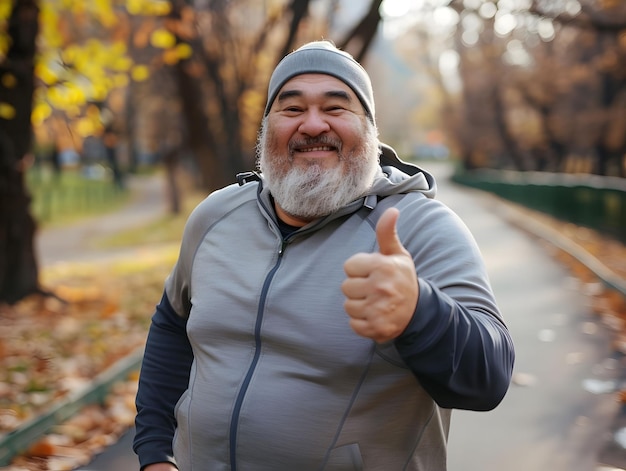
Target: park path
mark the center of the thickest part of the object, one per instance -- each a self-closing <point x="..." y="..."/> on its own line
<point x="558" y="414"/>
<point x="74" y="242"/>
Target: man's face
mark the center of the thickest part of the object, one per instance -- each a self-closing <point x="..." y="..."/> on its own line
<point x="317" y="149"/>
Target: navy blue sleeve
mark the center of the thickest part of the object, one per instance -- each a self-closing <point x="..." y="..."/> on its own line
<point x="163" y="379"/>
<point x="463" y="358"/>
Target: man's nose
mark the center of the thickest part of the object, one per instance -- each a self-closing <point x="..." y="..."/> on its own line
<point x="314" y="123"/>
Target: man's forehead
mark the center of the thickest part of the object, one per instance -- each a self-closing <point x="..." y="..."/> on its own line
<point x="315" y="83"/>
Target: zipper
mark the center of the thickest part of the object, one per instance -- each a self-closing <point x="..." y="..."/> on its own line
<point x="234" y="422"/>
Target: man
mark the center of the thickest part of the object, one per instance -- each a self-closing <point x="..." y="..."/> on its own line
<point x="326" y="314"/>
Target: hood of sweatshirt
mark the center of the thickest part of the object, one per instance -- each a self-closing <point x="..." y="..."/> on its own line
<point x="401" y="177"/>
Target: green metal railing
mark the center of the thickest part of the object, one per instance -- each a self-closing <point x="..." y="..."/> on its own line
<point x="587" y="200"/>
<point x="592" y="201"/>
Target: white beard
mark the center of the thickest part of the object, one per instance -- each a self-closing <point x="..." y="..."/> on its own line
<point x="314" y="191"/>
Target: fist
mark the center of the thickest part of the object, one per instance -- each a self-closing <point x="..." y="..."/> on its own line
<point x="381" y="288"/>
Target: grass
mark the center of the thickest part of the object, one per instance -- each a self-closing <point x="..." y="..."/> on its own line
<point x="72" y="195"/>
<point x="61" y="198"/>
<point x="168" y="228"/>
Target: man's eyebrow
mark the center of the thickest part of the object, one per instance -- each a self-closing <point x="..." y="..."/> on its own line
<point x="338" y="94"/>
<point x="298" y="93"/>
<point x="288" y="94"/>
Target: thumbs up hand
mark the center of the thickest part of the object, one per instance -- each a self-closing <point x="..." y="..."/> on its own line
<point x="381" y="288"/>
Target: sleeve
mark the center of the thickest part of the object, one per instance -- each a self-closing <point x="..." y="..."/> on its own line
<point x="456" y="344"/>
<point x="163" y="379"/>
<point x="463" y="358"/>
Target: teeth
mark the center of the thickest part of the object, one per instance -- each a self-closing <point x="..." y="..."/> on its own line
<point x="315" y="149"/>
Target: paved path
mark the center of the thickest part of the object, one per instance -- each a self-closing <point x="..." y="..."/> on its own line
<point x="72" y="242"/>
<point x="554" y="422"/>
<point x="558" y="415"/>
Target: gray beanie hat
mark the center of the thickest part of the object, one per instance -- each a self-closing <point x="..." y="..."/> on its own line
<point x="322" y="57"/>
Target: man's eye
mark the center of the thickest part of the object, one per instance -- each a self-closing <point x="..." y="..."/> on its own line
<point x="335" y="108"/>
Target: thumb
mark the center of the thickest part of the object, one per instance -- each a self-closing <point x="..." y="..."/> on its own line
<point x="386" y="233"/>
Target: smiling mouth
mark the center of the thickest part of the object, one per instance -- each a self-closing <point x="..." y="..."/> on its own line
<point x="320" y="144"/>
<point x="315" y="149"/>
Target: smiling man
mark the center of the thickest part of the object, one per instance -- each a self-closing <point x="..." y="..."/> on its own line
<point x="325" y="314"/>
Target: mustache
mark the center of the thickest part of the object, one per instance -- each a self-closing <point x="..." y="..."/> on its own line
<point x="315" y="141"/>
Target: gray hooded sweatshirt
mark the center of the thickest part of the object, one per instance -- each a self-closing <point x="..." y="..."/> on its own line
<point x="251" y="363"/>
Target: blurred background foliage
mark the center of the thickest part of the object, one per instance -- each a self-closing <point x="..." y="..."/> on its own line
<point x="106" y="88"/>
<point x="516" y="84"/>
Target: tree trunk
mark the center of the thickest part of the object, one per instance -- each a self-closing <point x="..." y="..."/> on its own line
<point x="363" y="32"/>
<point x="18" y="265"/>
<point x="299" y="11"/>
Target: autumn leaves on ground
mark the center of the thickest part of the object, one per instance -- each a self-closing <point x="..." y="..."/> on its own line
<point x="53" y="346"/>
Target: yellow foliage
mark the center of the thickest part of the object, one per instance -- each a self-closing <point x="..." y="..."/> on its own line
<point x="72" y="111"/>
<point x="162" y="38"/>
<point x="108" y="19"/>
<point x="99" y="91"/>
<point x="85" y="127"/>
<point x="50" y="33"/>
<point x="89" y="67"/>
<point x="134" y="7"/>
<point x="75" y="95"/>
<point x="78" y="9"/>
<point x="70" y="53"/>
<point x="120" y="80"/>
<point x="5" y="10"/>
<point x="104" y="11"/>
<point x="160" y="8"/>
<point x="54" y="97"/>
<point x="139" y="73"/>
<point x="148" y="7"/>
<point x="45" y="74"/>
<point x="122" y="63"/>
<point x="118" y="48"/>
<point x="76" y="68"/>
<point x="184" y="51"/>
<point x="93" y="46"/>
<point x="41" y="111"/>
<point x="7" y="111"/>
<point x="65" y="97"/>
